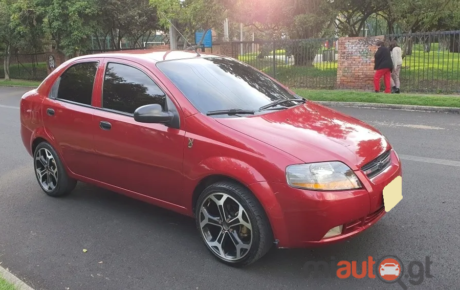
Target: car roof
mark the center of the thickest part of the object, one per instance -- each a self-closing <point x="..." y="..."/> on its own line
<point x="150" y="55"/>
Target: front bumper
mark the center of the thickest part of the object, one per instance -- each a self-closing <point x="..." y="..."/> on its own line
<point x="305" y="216"/>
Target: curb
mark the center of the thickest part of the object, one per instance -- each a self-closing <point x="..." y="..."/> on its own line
<point x="10" y="278"/>
<point x="390" y="106"/>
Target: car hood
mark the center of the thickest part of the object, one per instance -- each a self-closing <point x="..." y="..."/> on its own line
<point x="314" y="133"/>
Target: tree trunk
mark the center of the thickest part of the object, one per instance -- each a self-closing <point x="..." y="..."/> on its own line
<point x="302" y="59"/>
<point x="427" y="46"/>
<point x="408" y="50"/>
<point x="6" y="63"/>
<point x="186" y="40"/>
<point x="112" y="38"/>
<point x="454" y="43"/>
<point x="391" y="28"/>
<point x="98" y="41"/>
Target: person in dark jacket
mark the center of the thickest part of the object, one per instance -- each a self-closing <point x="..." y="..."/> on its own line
<point x="383" y="67"/>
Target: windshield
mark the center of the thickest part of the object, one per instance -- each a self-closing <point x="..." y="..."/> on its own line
<point x="217" y="83"/>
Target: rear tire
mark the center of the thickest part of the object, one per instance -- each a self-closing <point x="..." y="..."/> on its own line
<point x="233" y="224"/>
<point x="50" y="172"/>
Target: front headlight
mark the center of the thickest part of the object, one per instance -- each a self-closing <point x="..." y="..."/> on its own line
<point x="322" y="176"/>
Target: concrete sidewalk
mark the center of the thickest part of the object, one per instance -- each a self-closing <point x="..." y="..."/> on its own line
<point x="12" y="279"/>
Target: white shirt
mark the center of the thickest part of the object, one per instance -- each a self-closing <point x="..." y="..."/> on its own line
<point x="396" y="56"/>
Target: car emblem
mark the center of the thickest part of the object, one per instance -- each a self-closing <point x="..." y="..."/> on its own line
<point x="380" y="164"/>
<point x="190" y="142"/>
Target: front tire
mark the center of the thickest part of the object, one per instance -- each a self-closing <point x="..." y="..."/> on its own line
<point x="50" y="172"/>
<point x="233" y="224"/>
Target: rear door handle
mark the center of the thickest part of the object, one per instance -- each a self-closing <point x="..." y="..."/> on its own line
<point x="105" y="125"/>
<point x="50" y="111"/>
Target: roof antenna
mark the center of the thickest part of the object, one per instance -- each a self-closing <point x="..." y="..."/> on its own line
<point x="191" y="47"/>
<point x="178" y="31"/>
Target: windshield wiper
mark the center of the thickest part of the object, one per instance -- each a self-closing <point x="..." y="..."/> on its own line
<point x="230" y="112"/>
<point x="276" y="103"/>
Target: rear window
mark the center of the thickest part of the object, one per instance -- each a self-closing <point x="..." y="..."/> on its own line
<point x="76" y="83"/>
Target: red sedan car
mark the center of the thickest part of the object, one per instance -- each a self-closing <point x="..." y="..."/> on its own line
<point x="209" y="137"/>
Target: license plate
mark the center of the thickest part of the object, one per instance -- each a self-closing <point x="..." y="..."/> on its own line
<point x="392" y="194"/>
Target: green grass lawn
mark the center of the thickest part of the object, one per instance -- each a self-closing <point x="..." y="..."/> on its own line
<point x="5" y="285"/>
<point x="370" y="97"/>
<point x="319" y="76"/>
<point x="434" y="71"/>
<point x="19" y="83"/>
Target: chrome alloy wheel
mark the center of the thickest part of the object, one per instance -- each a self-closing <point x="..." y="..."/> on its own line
<point x="46" y="169"/>
<point x="225" y="227"/>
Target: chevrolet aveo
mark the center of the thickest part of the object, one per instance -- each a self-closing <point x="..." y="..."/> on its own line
<point x="209" y="137"/>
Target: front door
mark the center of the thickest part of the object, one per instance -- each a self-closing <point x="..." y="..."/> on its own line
<point x="142" y="158"/>
<point x="67" y="115"/>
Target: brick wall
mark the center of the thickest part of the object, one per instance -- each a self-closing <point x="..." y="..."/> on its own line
<point x="356" y="62"/>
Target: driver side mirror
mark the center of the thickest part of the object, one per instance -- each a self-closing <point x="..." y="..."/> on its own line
<point x="153" y="114"/>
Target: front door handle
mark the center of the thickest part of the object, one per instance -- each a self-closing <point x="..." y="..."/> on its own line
<point x="50" y="112"/>
<point x="105" y="125"/>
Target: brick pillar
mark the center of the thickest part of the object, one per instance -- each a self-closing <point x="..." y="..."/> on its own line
<point x="355" y="68"/>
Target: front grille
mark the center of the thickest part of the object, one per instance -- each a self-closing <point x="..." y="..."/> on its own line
<point x="378" y="165"/>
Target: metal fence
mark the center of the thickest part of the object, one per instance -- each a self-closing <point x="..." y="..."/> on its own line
<point x="26" y="66"/>
<point x="310" y="63"/>
<point x="431" y="61"/>
<point x="34" y="66"/>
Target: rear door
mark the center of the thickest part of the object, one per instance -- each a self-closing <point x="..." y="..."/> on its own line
<point x="67" y="115"/>
<point x="142" y="158"/>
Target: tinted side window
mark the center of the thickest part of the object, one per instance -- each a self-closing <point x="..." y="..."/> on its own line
<point x="127" y="88"/>
<point x="76" y="83"/>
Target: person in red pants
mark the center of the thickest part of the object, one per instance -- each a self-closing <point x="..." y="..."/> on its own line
<point x="383" y="67"/>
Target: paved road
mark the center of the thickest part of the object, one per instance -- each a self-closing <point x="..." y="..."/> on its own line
<point x="132" y="245"/>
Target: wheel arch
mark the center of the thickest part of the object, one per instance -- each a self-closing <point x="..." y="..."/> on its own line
<point x="209" y="180"/>
<point x="261" y="192"/>
<point x="217" y="169"/>
<point x="36" y="142"/>
<point x="41" y="135"/>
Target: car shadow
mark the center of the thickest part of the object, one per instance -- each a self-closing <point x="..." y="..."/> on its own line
<point x="133" y="215"/>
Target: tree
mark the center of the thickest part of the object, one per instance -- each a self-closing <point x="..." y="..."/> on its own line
<point x="188" y="16"/>
<point x="311" y="19"/>
<point x="27" y="25"/>
<point x="450" y="22"/>
<point x="69" y="23"/>
<point x="120" y="19"/>
<point x="296" y="18"/>
<point x="291" y="19"/>
<point x="7" y="37"/>
<point x="416" y="16"/>
<point x="267" y="16"/>
<point x="353" y="14"/>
